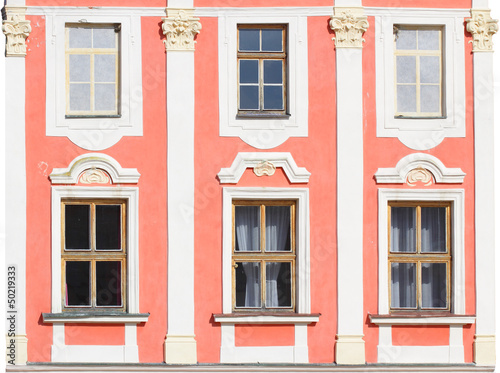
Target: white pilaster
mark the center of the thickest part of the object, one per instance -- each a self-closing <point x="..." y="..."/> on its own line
<point x="349" y="346"/>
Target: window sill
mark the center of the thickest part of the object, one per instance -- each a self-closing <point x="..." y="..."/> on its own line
<point x="95" y="318"/>
<point x="266" y="318"/>
<point x="422" y="319"/>
<point x="262" y="116"/>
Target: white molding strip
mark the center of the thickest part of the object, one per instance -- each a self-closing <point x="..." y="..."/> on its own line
<point x="70" y="174"/>
<point x="266" y="319"/>
<point x="448" y="320"/>
<point x="243" y="161"/>
<point x="95" y="319"/>
<point x="398" y="174"/>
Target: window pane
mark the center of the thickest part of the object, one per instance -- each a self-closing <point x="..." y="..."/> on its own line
<point x="429" y="69"/>
<point x="434" y="285"/>
<point x="79" y="68"/>
<point x="407" y="98"/>
<point x="406" y="39"/>
<point x="108" y="227"/>
<point x="249" y="40"/>
<point x="403" y="229"/>
<point x="406" y="69"/>
<point x="108" y="283"/>
<point x="433" y="229"/>
<point x="105" y="68"/>
<point x="278" y="228"/>
<point x="77" y="227"/>
<point x="104" y="38"/>
<point x="80" y="37"/>
<point x="278" y="284"/>
<point x="78" y="283"/>
<point x="403" y="287"/>
<point x="105" y="97"/>
<point x="249" y="71"/>
<point x="272" y="40"/>
<point x="273" y="72"/>
<point x="248" y="284"/>
<point x="428" y="39"/>
<point x="249" y="97"/>
<point x="273" y="97"/>
<point x="247" y="226"/>
<point x="429" y="98"/>
<point x="79" y="97"/>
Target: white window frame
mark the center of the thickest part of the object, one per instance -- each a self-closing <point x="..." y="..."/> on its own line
<point x="263" y="133"/>
<point x="94" y="133"/>
<point x="456" y="197"/>
<point x="425" y="133"/>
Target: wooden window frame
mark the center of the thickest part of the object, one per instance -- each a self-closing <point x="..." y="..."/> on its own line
<point x="92" y="52"/>
<point x="419" y="53"/>
<point x="418" y="257"/>
<point x="93" y="256"/>
<point x="264" y="257"/>
<point x="261" y="57"/>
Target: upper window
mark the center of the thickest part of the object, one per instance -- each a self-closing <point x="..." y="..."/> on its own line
<point x="92" y="70"/>
<point x="418" y="59"/>
<point x="264" y="255"/>
<point x="261" y="69"/>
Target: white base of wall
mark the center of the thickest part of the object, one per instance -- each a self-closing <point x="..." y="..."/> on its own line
<point x="350" y="350"/>
<point x="180" y="349"/>
<point x="484" y="349"/>
<point x="17" y="350"/>
<point x="95" y="354"/>
<point x="420" y="354"/>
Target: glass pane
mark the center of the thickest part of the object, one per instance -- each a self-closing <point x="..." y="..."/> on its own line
<point x="77" y="284"/>
<point x="80" y="37"/>
<point x="407" y="98"/>
<point x="105" y="68"/>
<point x="429" y="98"/>
<point x="429" y="69"/>
<point x="406" y="69"/>
<point x="79" y="68"/>
<point x="249" y="71"/>
<point x="247" y="284"/>
<point x="108" y="283"/>
<point x="249" y="97"/>
<point x="406" y="39"/>
<point x="272" y="40"/>
<point x="249" y="40"/>
<point x="273" y="97"/>
<point x="105" y="97"/>
<point x="278" y="228"/>
<point x="433" y="229"/>
<point x="77" y="227"/>
<point x="108" y="227"/>
<point x="428" y="40"/>
<point x="104" y="38"/>
<point x="79" y="97"/>
<point x="278" y="284"/>
<point x="273" y="72"/>
<point x="403" y="287"/>
<point x="434" y="285"/>
<point x="247" y="226"/>
<point x="403" y="229"/>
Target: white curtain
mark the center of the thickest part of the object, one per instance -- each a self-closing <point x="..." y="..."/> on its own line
<point x="433" y="285"/>
<point x="403" y="229"/>
<point x="403" y="286"/>
<point x="433" y="223"/>
<point x="247" y="228"/>
<point x="252" y="289"/>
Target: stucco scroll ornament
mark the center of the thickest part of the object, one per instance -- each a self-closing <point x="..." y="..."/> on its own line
<point x="264" y="168"/>
<point x="419" y="174"/>
<point x="94" y="176"/>
<point x="16" y="29"/>
<point x="180" y="28"/>
<point x="482" y="27"/>
<point x="348" y="29"/>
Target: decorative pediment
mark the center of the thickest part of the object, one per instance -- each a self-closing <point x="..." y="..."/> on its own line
<point x="94" y="168"/>
<point x="180" y="27"/>
<point x="482" y="27"/>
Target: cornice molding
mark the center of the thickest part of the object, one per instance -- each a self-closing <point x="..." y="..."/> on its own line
<point x="482" y="27"/>
<point x="16" y="29"/>
<point x="180" y="27"/>
<point x="349" y="24"/>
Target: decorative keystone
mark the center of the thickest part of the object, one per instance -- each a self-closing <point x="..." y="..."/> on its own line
<point x="349" y="26"/>
<point x="16" y="29"/>
<point x="180" y="27"/>
<point x="482" y="27"/>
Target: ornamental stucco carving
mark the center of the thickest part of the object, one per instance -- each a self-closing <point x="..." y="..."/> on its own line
<point x="180" y="27"/>
<point x="349" y="26"/>
<point x="264" y="168"/>
<point x="16" y="29"/>
<point x="482" y="27"/>
<point x="94" y="176"/>
<point x="419" y="174"/>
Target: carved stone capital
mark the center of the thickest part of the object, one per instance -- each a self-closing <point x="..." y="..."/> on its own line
<point x="16" y="29"/>
<point x="349" y="25"/>
<point x="180" y="27"/>
<point x="482" y="27"/>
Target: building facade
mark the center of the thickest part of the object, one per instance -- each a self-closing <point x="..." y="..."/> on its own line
<point x="216" y="182"/>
